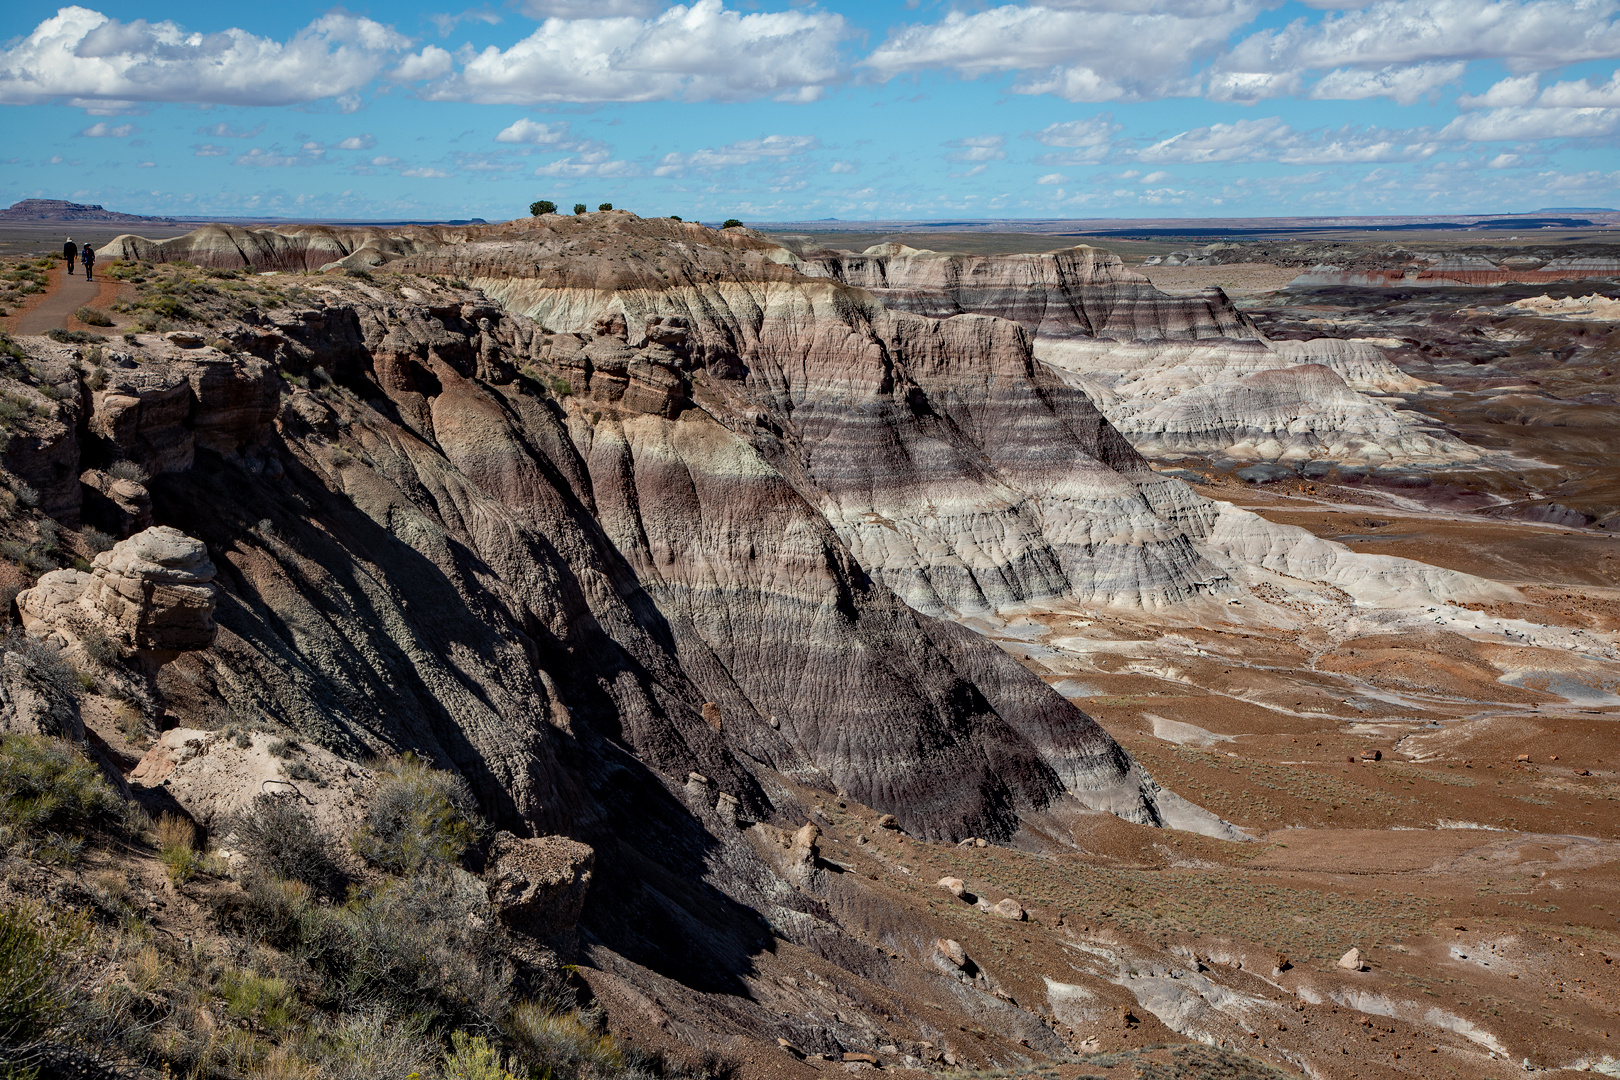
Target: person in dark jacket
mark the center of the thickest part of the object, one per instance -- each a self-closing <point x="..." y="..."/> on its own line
<point x="88" y="257"/>
<point x="70" y="251"/>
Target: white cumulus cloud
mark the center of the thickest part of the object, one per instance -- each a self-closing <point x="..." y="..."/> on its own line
<point x="597" y="164"/>
<point x="534" y="133"/>
<point x="357" y="142"/>
<point x="85" y="55"/>
<point x="1096" y="51"/>
<point x="700" y="52"/>
<point x="1406" y="85"/>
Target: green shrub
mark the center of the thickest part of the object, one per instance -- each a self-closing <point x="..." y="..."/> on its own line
<point x="93" y="317"/>
<point x="363" y="275"/>
<point x="75" y="337"/>
<point x="416" y="817"/>
<point x="580" y="208"/>
<point x="425" y="945"/>
<point x="48" y="787"/>
<point x="731" y="223"/>
<point x="95" y="541"/>
<point x="542" y="206"/>
<point x="177" y="847"/>
<point x="281" y="748"/>
<point x="675" y="217"/>
<point x="472" y="1058"/>
<point x="36" y="964"/>
<point x="128" y="470"/>
<point x="563" y="1044"/>
<point x="605" y="206"/>
<point x="561" y="386"/>
<point x="280" y="839"/>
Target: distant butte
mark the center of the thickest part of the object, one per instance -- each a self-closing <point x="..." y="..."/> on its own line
<point x="62" y="210"/>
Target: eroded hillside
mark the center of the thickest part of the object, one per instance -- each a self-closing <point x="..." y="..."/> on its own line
<point x="757" y="583"/>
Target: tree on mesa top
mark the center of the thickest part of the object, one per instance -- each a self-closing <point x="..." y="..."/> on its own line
<point x="543" y="206"/>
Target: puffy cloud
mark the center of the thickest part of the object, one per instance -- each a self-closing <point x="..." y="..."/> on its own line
<point x="598" y="164"/>
<point x="1052" y="178"/>
<point x="1524" y="124"/>
<point x="1081" y="142"/>
<point x="87" y="56"/>
<point x="1271" y="139"/>
<point x="1518" y="109"/>
<point x="357" y="142"/>
<point x="1508" y="92"/>
<point x="1096" y="51"/>
<point x="745" y="152"/>
<point x="1406" y="85"/>
<point x="701" y="52"/>
<point x="843" y="167"/>
<point x="977" y="148"/>
<point x="209" y="150"/>
<point x="534" y="133"/>
<point x="1411" y="46"/>
<point x="431" y="63"/>
<point x="103" y="130"/>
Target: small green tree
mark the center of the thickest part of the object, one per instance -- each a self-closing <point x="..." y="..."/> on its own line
<point x="605" y="206"/>
<point x="732" y="223"/>
<point x="676" y="217"/>
<point x="542" y="206"/>
<point x="579" y="208"/>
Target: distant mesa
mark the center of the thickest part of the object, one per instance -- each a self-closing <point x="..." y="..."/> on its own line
<point x="62" y="210"/>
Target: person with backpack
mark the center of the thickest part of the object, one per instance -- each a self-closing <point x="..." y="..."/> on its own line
<point x="70" y="251"/>
<point x="88" y="257"/>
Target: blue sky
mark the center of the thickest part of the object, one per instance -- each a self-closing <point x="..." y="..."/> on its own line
<point x="774" y="110"/>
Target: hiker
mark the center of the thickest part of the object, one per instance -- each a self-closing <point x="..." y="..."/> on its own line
<point x="88" y="257"/>
<point x="70" y="251"/>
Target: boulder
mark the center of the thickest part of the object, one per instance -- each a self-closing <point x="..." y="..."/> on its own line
<point x="952" y="951"/>
<point x="1352" y="961"/>
<point x="1008" y="909"/>
<point x="538" y="885"/>
<point x="154" y="592"/>
<point x="954" y="885"/>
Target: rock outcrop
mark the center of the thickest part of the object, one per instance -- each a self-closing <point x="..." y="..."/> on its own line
<point x="153" y="592"/>
<point x="1083" y="292"/>
<point x="537" y="886"/>
<point x="215" y="776"/>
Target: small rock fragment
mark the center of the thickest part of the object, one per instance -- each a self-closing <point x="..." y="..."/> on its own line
<point x="887" y="821"/>
<point x="951" y="950"/>
<point x="1372" y="755"/>
<point x="955" y="885"/>
<point x="980" y="841"/>
<point x="1522" y="757"/>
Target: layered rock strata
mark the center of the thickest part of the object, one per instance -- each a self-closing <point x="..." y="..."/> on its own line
<point x="1084" y="292"/>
